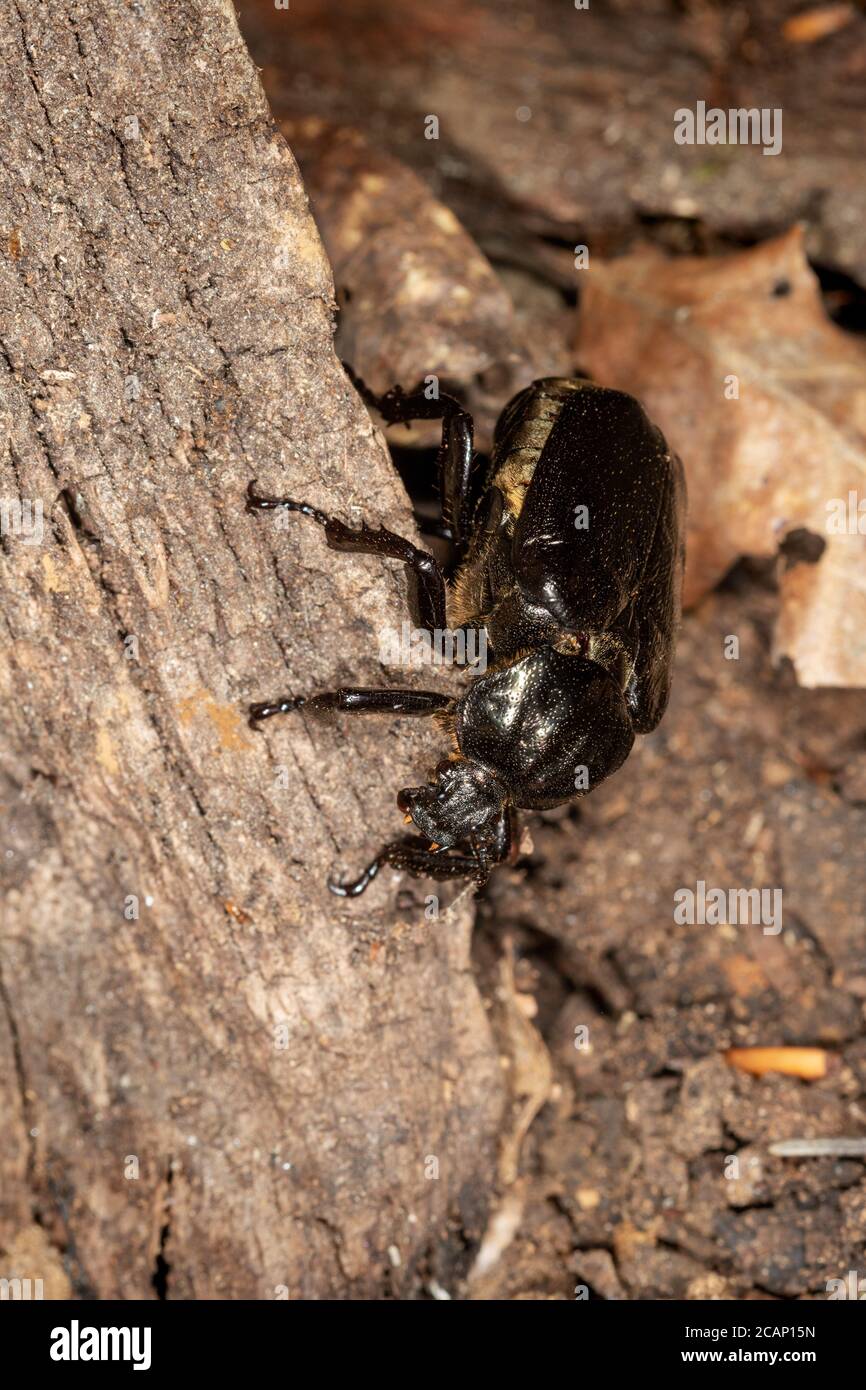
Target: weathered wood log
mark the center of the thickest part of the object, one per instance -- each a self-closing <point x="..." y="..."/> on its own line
<point x="216" y="1079"/>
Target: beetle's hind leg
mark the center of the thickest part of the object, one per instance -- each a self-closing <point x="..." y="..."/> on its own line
<point x="454" y="461"/>
<point x="369" y="541"/>
<point x="357" y="700"/>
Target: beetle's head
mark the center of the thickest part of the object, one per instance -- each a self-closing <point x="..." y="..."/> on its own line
<point x="465" y="800"/>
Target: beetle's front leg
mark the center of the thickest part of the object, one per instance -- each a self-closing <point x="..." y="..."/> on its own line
<point x="414" y="855"/>
<point x="357" y="700"/>
<point x="474" y="859"/>
<point x="367" y="541"/>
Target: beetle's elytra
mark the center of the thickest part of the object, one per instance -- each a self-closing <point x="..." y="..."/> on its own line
<point x="571" y="563"/>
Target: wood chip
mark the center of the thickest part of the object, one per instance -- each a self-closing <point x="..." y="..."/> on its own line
<point x="809" y="1063"/>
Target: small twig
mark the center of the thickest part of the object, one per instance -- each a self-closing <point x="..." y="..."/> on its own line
<point x="819" y="1148"/>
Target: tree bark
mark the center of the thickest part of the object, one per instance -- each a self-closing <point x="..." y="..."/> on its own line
<point x="216" y="1079"/>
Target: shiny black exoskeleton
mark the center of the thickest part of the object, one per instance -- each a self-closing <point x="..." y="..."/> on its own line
<point x="571" y="564"/>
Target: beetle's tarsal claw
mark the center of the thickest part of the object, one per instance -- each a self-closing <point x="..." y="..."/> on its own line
<point x="355" y="888"/>
<point x="269" y="708"/>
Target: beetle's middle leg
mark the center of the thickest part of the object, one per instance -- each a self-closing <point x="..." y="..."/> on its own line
<point x="357" y="700"/>
<point x="454" y="462"/>
<point x="367" y="541"/>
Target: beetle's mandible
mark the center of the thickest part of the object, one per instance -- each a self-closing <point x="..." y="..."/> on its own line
<point x="571" y="563"/>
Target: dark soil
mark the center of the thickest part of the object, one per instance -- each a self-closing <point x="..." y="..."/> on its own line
<point x="749" y="781"/>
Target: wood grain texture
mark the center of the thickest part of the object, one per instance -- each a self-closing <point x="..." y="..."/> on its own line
<point x="165" y="335"/>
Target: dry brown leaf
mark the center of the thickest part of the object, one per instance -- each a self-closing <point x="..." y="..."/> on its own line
<point x="419" y="296"/>
<point x="416" y="294"/>
<point x="559" y="123"/>
<point x="770" y="462"/>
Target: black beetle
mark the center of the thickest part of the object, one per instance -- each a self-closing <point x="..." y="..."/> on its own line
<point x="570" y="564"/>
